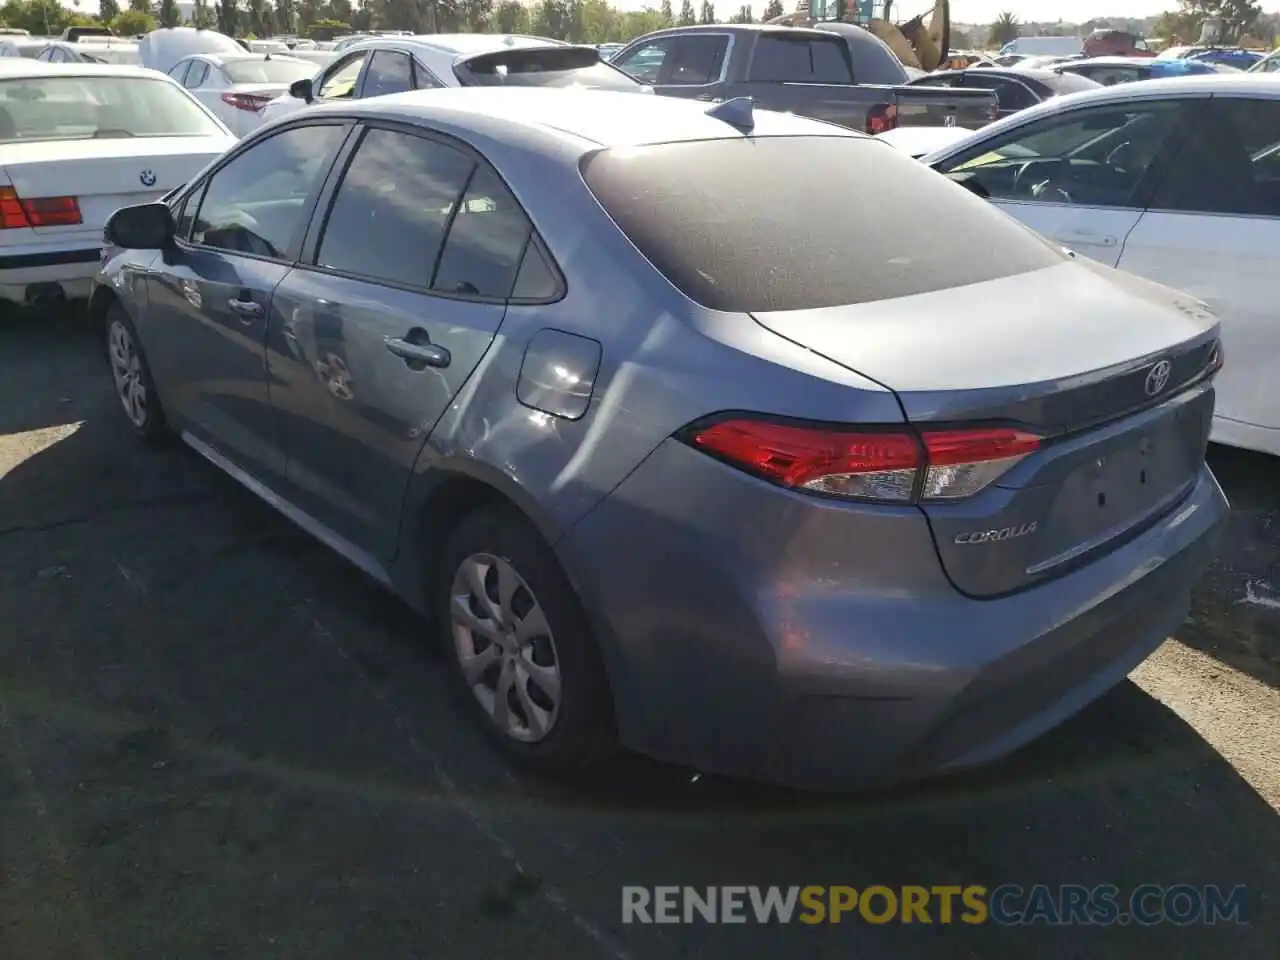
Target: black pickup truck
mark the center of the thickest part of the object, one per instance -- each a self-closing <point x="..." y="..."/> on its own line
<point x="812" y="72"/>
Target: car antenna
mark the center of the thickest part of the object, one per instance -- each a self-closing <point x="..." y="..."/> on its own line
<point x="736" y="112"/>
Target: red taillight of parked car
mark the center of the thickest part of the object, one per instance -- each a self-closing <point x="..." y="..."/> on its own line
<point x="245" y="101"/>
<point x="882" y="117"/>
<point x="890" y="465"/>
<point x="15" y="212"/>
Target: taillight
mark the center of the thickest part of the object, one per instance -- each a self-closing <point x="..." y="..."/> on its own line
<point x="40" y="212"/>
<point x="889" y="466"/>
<point x="245" y="101"/>
<point x="882" y="117"/>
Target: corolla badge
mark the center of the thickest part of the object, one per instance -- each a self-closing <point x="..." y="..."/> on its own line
<point x="1158" y="377"/>
<point x="148" y="178"/>
<point x="998" y="536"/>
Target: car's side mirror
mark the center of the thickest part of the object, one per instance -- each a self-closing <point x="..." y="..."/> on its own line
<point x="301" y="89"/>
<point x="146" y="226"/>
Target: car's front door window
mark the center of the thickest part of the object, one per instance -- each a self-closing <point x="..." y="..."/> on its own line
<point x="645" y="61"/>
<point x="257" y="202"/>
<point x="698" y="59"/>
<point x="195" y="76"/>
<point x="1093" y="157"/>
<point x="340" y="81"/>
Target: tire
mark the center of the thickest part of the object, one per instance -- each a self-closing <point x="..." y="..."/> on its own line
<point x="131" y="377"/>
<point x="491" y="545"/>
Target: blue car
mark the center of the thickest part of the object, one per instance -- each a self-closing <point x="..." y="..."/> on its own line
<point x="1112" y="70"/>
<point x="1238" y="59"/>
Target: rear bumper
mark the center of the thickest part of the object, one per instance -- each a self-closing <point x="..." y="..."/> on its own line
<point x="30" y="274"/>
<point x="828" y="650"/>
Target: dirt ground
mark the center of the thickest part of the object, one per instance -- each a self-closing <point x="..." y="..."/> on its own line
<point x="218" y="740"/>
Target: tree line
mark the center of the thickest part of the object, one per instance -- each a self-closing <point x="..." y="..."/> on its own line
<point x="578" y="21"/>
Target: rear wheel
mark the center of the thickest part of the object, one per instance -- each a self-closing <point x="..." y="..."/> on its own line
<point x="132" y="377"/>
<point x="520" y="645"/>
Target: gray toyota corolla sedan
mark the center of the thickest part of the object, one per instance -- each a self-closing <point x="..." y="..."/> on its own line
<point x="678" y="424"/>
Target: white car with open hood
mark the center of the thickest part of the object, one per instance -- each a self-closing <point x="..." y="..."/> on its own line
<point x="77" y="142"/>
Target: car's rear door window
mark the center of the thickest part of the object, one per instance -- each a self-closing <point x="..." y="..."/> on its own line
<point x="792" y="223"/>
<point x="1228" y="162"/>
<point x="486" y="241"/>
<point x="389" y="215"/>
<point x="696" y="58"/>
<point x="799" y="58"/>
<point x="390" y="71"/>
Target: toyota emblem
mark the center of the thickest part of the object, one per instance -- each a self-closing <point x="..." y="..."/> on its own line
<point x="1158" y="377"/>
<point x="148" y="178"/>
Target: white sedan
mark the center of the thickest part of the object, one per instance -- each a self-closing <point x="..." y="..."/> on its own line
<point x="379" y="65"/>
<point x="236" y="87"/>
<point x="77" y="142"/>
<point x="1174" y="180"/>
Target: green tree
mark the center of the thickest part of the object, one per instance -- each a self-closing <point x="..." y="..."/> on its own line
<point x="202" y="16"/>
<point x="512" y="17"/>
<point x="1173" y="25"/>
<point x="128" y="22"/>
<point x="108" y="10"/>
<point x="228" y="17"/>
<point x="476" y="15"/>
<point x="687" y="17"/>
<point x="708" y="13"/>
<point x="668" y="16"/>
<point x="284" y="15"/>
<point x="771" y="10"/>
<point x="744" y="15"/>
<point x="254" y="18"/>
<point x="170" y="15"/>
<point x="140" y="6"/>
<point x="1238" y="15"/>
<point x="1003" y="30"/>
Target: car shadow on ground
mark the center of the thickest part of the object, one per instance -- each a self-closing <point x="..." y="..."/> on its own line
<point x="217" y="738"/>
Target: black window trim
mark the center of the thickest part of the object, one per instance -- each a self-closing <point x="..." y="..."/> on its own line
<point x="323" y="208"/>
<point x="309" y="205"/>
<point x="1151" y="179"/>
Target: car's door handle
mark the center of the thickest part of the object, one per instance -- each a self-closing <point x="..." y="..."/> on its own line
<point x="247" y="309"/>
<point x="428" y="354"/>
<point x="1083" y="236"/>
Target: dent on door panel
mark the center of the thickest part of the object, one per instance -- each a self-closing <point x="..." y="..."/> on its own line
<point x="354" y="415"/>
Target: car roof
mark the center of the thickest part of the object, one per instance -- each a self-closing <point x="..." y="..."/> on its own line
<point x="599" y="118"/>
<point x="258" y="56"/>
<point x="38" y="68"/>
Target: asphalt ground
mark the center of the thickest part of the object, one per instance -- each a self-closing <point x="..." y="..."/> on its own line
<point x="217" y="739"/>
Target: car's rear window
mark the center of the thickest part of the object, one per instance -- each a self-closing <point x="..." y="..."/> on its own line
<point x="83" y="107"/>
<point x="268" y="71"/>
<point x="1067" y="82"/>
<point x="545" y="67"/>
<point x="795" y="223"/>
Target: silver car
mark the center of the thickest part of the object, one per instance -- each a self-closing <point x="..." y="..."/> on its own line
<point x="676" y="425"/>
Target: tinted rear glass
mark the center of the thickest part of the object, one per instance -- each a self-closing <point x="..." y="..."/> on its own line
<point x="1066" y="82"/>
<point x="80" y="107"/>
<point x="793" y="223"/>
<point x="267" y="71"/>
<point x="780" y="58"/>
<point x="551" y="67"/>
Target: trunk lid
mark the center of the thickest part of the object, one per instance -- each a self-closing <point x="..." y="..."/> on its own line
<point x="268" y="91"/>
<point x="105" y="175"/>
<point x="1107" y="368"/>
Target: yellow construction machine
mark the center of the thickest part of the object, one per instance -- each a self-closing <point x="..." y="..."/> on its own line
<point x="916" y="44"/>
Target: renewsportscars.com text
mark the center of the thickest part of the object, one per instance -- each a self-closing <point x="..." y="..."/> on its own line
<point x="1008" y="904"/>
